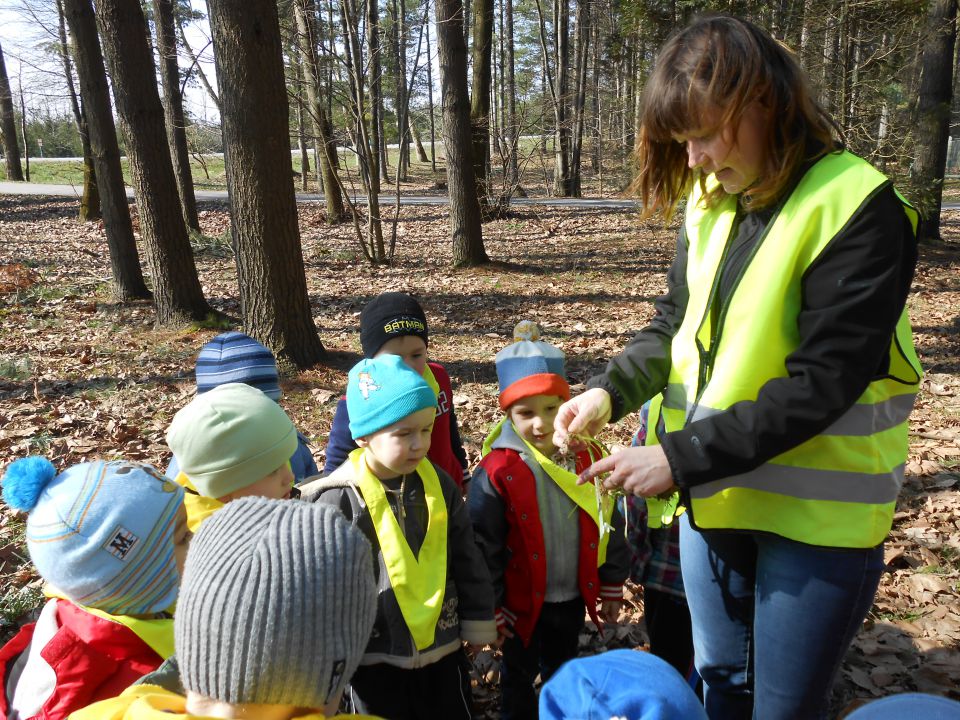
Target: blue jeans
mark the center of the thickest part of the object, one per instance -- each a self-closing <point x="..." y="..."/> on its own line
<point x="772" y="619"/>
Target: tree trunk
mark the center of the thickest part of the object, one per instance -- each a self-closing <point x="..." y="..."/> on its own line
<point x="8" y="125"/>
<point x="23" y="135"/>
<point x="433" y="131"/>
<point x="480" y="96"/>
<point x="128" y="279"/>
<point x="365" y="144"/>
<point x="934" y="113"/>
<point x="177" y="295"/>
<point x="462" y="185"/>
<point x="398" y="39"/>
<point x="513" y="133"/>
<point x="273" y="286"/>
<point x="372" y="8"/>
<point x="296" y="70"/>
<point x="561" y="178"/>
<point x="421" y="152"/>
<point x="309" y="37"/>
<point x="173" y="109"/>
<point x="580" y="66"/>
<point x="90" y="200"/>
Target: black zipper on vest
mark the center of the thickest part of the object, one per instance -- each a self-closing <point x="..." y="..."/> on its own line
<point x="708" y="357"/>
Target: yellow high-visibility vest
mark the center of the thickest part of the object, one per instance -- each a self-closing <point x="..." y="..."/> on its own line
<point x="837" y="489"/>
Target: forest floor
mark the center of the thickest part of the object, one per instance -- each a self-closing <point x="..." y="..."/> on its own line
<point x="83" y="377"/>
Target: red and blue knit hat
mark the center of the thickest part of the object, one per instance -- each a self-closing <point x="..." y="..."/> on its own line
<point x="530" y="367"/>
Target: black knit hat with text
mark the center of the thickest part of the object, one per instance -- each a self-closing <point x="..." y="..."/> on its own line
<point x="387" y="316"/>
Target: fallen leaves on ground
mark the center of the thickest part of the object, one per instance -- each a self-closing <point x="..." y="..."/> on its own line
<point x="83" y="377"/>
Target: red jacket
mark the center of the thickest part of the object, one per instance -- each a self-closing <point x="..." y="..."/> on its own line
<point x="85" y="659"/>
<point x="504" y="489"/>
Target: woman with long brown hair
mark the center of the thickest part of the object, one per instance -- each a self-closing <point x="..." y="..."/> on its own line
<point x="780" y="365"/>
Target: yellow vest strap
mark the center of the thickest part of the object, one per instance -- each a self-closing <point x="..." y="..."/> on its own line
<point x="418" y="583"/>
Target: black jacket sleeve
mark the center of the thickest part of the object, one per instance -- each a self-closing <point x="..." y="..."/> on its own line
<point x="852" y="297"/>
<point x="616" y="568"/>
<point x="641" y="370"/>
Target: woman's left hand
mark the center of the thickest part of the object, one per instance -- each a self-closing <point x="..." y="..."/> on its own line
<point x="642" y="471"/>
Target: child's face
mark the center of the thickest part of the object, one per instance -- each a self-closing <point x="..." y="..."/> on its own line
<point x="399" y="448"/>
<point x="275" y="486"/>
<point x="181" y="539"/>
<point x="412" y="349"/>
<point x="532" y="417"/>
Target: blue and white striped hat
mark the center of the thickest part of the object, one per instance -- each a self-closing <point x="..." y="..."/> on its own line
<point x="237" y="358"/>
<point x="100" y="532"/>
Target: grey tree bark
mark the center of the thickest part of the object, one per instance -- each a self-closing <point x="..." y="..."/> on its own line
<point x="465" y="226"/>
<point x="90" y="199"/>
<point x="273" y="287"/>
<point x="173" y="109"/>
<point x="480" y="96"/>
<point x="8" y="125"/>
<point x="308" y="36"/>
<point x="177" y="295"/>
<point x="936" y="87"/>
<point x="128" y="282"/>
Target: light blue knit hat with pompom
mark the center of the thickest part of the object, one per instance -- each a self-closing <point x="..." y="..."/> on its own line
<point x="100" y="532"/>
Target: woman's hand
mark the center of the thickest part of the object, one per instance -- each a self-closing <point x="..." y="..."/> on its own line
<point x="642" y="471"/>
<point x="585" y="414"/>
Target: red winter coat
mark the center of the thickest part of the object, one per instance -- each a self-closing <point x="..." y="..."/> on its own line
<point x="86" y="659"/>
<point x="506" y="520"/>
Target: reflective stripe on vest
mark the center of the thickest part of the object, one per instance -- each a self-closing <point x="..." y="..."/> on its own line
<point x="838" y="488"/>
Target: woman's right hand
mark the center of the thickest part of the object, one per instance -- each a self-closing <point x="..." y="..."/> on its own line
<point x="585" y="414"/>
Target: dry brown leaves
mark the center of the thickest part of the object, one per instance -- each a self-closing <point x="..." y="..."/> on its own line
<point x="82" y="376"/>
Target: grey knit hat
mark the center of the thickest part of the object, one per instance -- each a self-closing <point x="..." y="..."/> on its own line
<point x="277" y="604"/>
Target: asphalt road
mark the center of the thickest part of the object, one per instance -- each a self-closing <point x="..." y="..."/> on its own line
<point x="220" y="196"/>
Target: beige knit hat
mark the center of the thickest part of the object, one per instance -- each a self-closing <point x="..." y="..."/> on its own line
<point x="277" y="604"/>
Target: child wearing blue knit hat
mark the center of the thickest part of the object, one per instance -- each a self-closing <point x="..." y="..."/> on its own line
<point x="552" y="546"/>
<point x="109" y="538"/>
<point x="233" y="357"/>
<point x="619" y="684"/>
<point x="434" y="590"/>
<point x="393" y="323"/>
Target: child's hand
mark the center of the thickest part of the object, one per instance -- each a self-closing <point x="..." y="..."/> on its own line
<point x="503" y="632"/>
<point x="610" y="611"/>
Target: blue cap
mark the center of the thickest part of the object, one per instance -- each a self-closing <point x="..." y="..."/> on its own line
<point x="100" y="532"/>
<point x="382" y="391"/>
<point x="233" y="357"/>
<point x="908" y="705"/>
<point x="619" y="683"/>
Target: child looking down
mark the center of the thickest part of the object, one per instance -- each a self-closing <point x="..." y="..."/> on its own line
<point x="550" y="549"/>
<point x="231" y="442"/>
<point x="434" y="590"/>
<point x="393" y="323"/>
